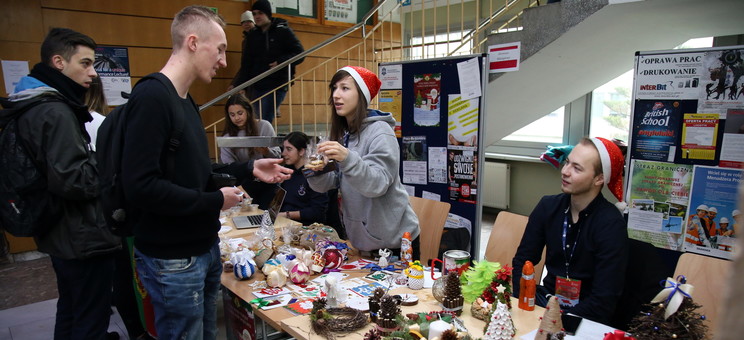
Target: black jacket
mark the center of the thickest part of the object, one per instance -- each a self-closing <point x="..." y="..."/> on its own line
<point x="600" y="256"/>
<point x="278" y="44"/>
<point x="300" y="197"/>
<point x="54" y="133"/>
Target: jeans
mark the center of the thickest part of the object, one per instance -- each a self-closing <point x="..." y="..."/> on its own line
<point x="184" y="293"/>
<point x="84" y="305"/>
<point x="267" y="106"/>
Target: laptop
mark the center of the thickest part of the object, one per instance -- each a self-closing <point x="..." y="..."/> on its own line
<point x="254" y="221"/>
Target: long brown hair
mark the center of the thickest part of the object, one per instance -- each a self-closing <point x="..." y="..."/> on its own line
<point x="339" y="125"/>
<point x="251" y="125"/>
<point x="94" y="98"/>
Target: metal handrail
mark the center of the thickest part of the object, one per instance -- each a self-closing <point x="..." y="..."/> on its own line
<point x="295" y="58"/>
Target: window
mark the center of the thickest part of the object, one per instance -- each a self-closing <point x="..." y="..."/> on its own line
<point x="439" y="46"/>
<point x="548" y="129"/>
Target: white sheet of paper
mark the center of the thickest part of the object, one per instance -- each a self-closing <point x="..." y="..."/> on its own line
<point x="470" y="79"/>
<point x="13" y="71"/>
<point x="431" y="195"/>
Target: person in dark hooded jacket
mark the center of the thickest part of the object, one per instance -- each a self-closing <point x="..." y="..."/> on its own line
<point x="269" y="44"/>
<point x="79" y="244"/>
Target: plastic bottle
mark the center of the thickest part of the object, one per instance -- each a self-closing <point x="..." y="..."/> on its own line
<point x="527" y="287"/>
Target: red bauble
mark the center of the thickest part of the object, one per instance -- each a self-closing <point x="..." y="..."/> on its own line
<point x="333" y="258"/>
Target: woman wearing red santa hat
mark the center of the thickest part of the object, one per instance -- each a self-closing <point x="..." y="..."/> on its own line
<point x="374" y="204"/>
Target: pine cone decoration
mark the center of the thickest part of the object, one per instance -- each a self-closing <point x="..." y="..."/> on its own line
<point x="373" y="334"/>
<point x="389" y="310"/>
<point x="448" y="335"/>
<point x="453" y="298"/>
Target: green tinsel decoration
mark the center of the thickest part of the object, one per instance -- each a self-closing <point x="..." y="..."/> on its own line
<point x="477" y="278"/>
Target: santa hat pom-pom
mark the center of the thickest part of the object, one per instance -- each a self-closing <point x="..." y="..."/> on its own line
<point x="622" y="206"/>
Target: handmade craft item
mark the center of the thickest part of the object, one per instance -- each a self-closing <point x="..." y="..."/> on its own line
<point x="673" y="314"/>
<point x="277" y="277"/>
<point x="335" y="295"/>
<point x="389" y="311"/>
<point x="318" y="262"/>
<point x="243" y="265"/>
<point x="333" y="258"/>
<point x="499" y="290"/>
<point x="453" y="298"/>
<point x="415" y="274"/>
<point x="374" y="303"/>
<point x="304" y="255"/>
<point x="384" y="255"/>
<point x="299" y="273"/>
<point x="325" y="321"/>
<point x="550" y="323"/>
<point x="477" y="278"/>
<point x="436" y="328"/>
<point x="308" y="236"/>
<point x="501" y="326"/>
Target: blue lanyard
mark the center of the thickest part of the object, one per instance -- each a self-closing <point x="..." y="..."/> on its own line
<point x="573" y="248"/>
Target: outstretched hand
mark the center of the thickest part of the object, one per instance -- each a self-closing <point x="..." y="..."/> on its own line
<point x="333" y="150"/>
<point x="268" y="170"/>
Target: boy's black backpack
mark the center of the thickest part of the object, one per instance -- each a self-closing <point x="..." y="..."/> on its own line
<point x="120" y="216"/>
<point x="27" y="208"/>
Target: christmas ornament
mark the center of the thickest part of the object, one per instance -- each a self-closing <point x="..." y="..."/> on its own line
<point x="318" y="262"/>
<point x="299" y="273"/>
<point x="333" y="258"/>
<point x="277" y="277"/>
<point x="243" y="265"/>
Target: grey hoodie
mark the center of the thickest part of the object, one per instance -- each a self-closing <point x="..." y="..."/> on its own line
<point x="374" y="203"/>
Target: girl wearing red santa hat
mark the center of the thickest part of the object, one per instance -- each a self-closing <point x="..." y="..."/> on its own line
<point x="374" y="204"/>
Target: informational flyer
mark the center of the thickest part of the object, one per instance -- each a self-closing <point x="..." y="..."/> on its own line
<point x="721" y="84"/>
<point x="112" y="65"/>
<point x="461" y="173"/>
<point x="390" y="101"/>
<point x="732" y="146"/>
<point x="341" y="11"/>
<point x="656" y="128"/>
<point x="414" y="159"/>
<point x="462" y="121"/>
<point x="391" y="77"/>
<point x="713" y="197"/>
<point x="504" y="57"/>
<point x="13" y="71"/>
<point x="699" y="136"/>
<point x="437" y="164"/>
<point x="427" y="88"/>
<point x="658" y="194"/>
<point x="469" y="76"/>
<point x="669" y="76"/>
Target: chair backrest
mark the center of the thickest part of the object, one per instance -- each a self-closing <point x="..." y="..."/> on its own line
<point x="432" y="215"/>
<point x="708" y="275"/>
<point x="505" y="238"/>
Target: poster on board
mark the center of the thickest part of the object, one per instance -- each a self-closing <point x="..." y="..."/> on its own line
<point x="713" y="197"/>
<point x="658" y="194"/>
<point x="732" y="145"/>
<point x="657" y="127"/>
<point x="427" y="88"/>
<point x="669" y="76"/>
<point x="462" y="162"/>
<point x="722" y="85"/>
<point x="415" y="157"/>
<point x="112" y="65"/>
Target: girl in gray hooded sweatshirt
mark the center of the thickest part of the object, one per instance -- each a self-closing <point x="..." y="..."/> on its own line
<point x="375" y="206"/>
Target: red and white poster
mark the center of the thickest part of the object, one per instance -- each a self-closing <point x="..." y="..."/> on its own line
<point x="504" y="57"/>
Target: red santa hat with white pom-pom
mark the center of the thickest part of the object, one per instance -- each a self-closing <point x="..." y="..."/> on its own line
<point x="366" y="80"/>
<point x="612" y="161"/>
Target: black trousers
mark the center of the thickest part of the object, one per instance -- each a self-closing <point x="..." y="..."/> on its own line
<point x="84" y="305"/>
<point x="124" y="297"/>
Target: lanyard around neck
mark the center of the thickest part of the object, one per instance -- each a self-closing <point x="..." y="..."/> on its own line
<point x="568" y="257"/>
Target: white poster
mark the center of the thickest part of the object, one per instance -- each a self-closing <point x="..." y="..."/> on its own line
<point x="669" y="76"/>
<point x="13" y="71"/>
<point x="722" y="84"/>
<point x="391" y="77"/>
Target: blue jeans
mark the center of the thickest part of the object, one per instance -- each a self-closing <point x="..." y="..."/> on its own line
<point x="184" y="293"/>
<point x="267" y="106"/>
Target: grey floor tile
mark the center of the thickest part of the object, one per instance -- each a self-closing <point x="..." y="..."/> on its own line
<point x="5" y="334"/>
<point x="40" y="329"/>
<point x="28" y="313"/>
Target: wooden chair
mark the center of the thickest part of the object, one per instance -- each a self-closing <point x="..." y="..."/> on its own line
<point x="505" y="238"/>
<point x="432" y="215"/>
<point x="709" y="276"/>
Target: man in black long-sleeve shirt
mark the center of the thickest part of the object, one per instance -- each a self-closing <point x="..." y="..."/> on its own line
<point x="585" y="235"/>
<point x="175" y="238"/>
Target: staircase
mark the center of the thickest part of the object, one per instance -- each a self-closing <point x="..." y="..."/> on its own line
<point x="572" y="47"/>
<point x="568" y="49"/>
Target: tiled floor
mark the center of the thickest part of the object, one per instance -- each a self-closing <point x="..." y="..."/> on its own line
<point x="28" y="297"/>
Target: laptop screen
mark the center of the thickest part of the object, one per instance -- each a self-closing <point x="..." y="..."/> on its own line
<point x="276" y="203"/>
